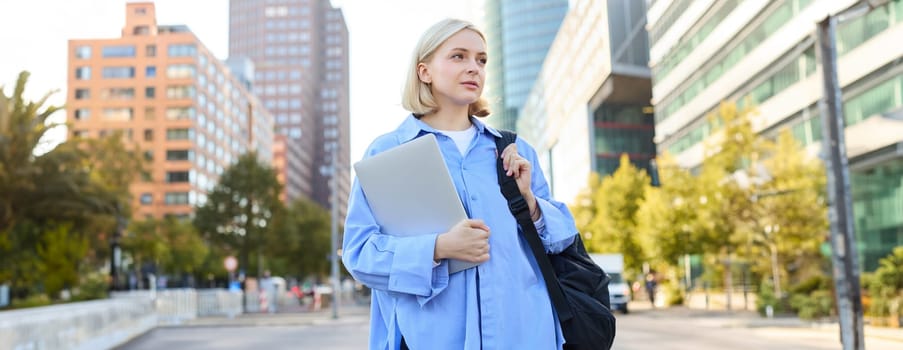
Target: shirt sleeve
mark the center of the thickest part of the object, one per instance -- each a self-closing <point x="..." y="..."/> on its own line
<point x="401" y="264"/>
<point x="558" y="228"/>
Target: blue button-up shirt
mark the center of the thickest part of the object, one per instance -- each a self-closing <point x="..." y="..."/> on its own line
<point x="500" y="304"/>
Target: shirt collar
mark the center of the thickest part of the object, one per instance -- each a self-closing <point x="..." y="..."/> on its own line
<point x="413" y="127"/>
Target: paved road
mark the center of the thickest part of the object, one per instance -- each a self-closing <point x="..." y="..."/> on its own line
<point x="678" y="330"/>
<point x="337" y="335"/>
<point x="642" y="329"/>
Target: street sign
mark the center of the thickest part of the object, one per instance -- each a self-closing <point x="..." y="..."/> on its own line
<point x="230" y="263"/>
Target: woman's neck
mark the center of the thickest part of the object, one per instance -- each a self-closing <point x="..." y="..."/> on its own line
<point x="449" y="119"/>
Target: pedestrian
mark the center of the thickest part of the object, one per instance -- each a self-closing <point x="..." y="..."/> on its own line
<point x="503" y="302"/>
<point x="268" y="293"/>
<point x="651" y="285"/>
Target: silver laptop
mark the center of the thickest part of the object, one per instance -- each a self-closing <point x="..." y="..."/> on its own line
<point x="410" y="191"/>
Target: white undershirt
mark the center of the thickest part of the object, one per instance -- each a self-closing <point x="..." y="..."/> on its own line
<point x="462" y="138"/>
<point x="462" y="141"/>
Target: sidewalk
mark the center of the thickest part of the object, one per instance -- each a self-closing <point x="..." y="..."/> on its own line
<point x="750" y="319"/>
<point x="347" y="314"/>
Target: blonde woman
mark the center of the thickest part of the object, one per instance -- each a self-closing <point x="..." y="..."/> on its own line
<point x="416" y="303"/>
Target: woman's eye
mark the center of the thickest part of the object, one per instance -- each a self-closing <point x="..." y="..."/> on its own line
<point x="482" y="61"/>
<point x="458" y="56"/>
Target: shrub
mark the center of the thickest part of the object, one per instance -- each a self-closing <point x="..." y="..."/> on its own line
<point x="93" y="286"/>
<point x="766" y="297"/>
<point x="33" y="300"/>
<point x="818" y="304"/>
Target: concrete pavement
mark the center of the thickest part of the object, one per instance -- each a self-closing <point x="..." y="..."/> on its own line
<point x="749" y="319"/>
<point x="644" y="328"/>
<point x="347" y="314"/>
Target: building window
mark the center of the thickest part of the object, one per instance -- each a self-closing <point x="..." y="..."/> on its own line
<point x="176" y="198"/>
<point x="82" y="114"/>
<point x="117" y="114"/>
<point x="180" y="91"/>
<point x="150" y="92"/>
<point x="83" y="73"/>
<point x="118" y="72"/>
<point x="179" y="113"/>
<point x="117" y="94"/>
<point x="82" y="94"/>
<point x="141" y="11"/>
<point x="179" y="154"/>
<point x="80" y="133"/>
<point x="182" y="50"/>
<point x="149" y="155"/>
<point x="150" y="71"/>
<point x="148" y="134"/>
<point x="118" y="51"/>
<point x="176" y="176"/>
<point x="179" y="134"/>
<point x="141" y="30"/>
<point x="276" y="11"/>
<point x="150" y="113"/>
<point x="181" y="71"/>
<point x="150" y="50"/>
<point x="147" y="198"/>
<point x="83" y="52"/>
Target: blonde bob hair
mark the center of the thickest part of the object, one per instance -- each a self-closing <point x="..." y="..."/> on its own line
<point x="417" y="96"/>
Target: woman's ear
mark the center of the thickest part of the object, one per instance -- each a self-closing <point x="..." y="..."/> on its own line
<point x="423" y="72"/>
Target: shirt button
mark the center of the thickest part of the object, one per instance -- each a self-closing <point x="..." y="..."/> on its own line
<point x="473" y="197"/>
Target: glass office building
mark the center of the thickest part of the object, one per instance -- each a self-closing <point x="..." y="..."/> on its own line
<point x="519" y="34"/>
<point x="764" y="52"/>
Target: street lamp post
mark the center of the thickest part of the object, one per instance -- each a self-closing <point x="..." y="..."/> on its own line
<point x="334" y="233"/>
<point x="840" y="211"/>
<point x="115" y="249"/>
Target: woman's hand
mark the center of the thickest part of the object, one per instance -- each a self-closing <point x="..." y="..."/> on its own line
<point x="521" y="169"/>
<point x="468" y="241"/>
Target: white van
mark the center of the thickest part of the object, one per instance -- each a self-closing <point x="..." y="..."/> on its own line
<point x="613" y="264"/>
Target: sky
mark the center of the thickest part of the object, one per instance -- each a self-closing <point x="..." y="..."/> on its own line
<point x="382" y="34"/>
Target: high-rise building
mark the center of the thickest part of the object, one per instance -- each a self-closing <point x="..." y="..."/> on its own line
<point x="169" y="96"/>
<point x="590" y="102"/>
<point x="518" y="35"/>
<point x="299" y="49"/>
<point x="764" y="52"/>
<point x="285" y="155"/>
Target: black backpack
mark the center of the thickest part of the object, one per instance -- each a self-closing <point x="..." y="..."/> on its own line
<point x="578" y="288"/>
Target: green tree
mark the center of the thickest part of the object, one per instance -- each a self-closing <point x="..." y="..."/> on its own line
<point x="793" y="221"/>
<point x="60" y="253"/>
<point x="886" y="285"/>
<point x="299" y="243"/>
<point x="239" y="211"/>
<point x="612" y="224"/>
<point x="145" y="243"/>
<point x="187" y="250"/>
<point x="72" y="184"/>
<point x="726" y="210"/>
<point x="80" y="181"/>
<point x="667" y="220"/>
<point x="171" y="244"/>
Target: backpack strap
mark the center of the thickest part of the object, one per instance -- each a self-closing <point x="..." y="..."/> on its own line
<point x="519" y="208"/>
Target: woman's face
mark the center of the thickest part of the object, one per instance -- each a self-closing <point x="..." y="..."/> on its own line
<point x="456" y="72"/>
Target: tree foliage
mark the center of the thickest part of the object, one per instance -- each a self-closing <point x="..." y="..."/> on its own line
<point x="609" y="223"/>
<point x="299" y="244"/>
<point x="750" y="197"/>
<point x="60" y="255"/>
<point x="72" y="190"/>
<point x="793" y="211"/>
<point x="668" y="220"/>
<point x="172" y="245"/>
<point x="886" y="287"/>
<point x="240" y="210"/>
